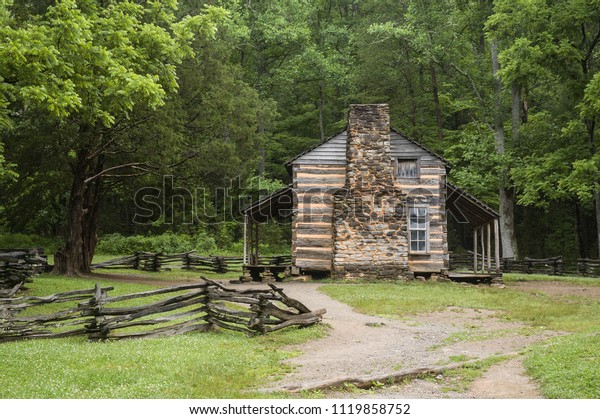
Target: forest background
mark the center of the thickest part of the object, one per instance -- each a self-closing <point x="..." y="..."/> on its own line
<point x="102" y="99"/>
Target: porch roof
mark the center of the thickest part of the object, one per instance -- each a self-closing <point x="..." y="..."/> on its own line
<point x="278" y="205"/>
<point x="468" y="209"/>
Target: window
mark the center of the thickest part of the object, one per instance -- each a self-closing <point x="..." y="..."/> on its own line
<point x="408" y="169"/>
<point x="417" y="226"/>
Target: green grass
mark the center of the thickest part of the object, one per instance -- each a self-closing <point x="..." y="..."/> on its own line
<point x="220" y="364"/>
<point x="577" y="280"/>
<point x="50" y="284"/>
<point x="566" y="367"/>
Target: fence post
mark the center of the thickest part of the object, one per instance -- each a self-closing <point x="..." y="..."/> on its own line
<point x="558" y="266"/>
<point x="187" y="261"/>
<point x="97" y="330"/>
<point x="156" y="262"/>
<point x="583" y="267"/>
<point x="220" y="265"/>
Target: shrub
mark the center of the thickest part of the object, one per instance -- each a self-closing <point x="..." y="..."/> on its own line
<point x="117" y="244"/>
<point x="29" y="241"/>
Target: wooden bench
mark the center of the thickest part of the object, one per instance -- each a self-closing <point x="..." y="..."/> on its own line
<point x="263" y="273"/>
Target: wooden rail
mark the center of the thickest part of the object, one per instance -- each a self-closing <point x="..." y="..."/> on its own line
<point x="548" y="266"/>
<point x="162" y="312"/>
<point x="156" y="262"/>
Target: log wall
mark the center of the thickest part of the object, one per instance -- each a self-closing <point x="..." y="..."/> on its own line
<point x="428" y="190"/>
<point x="318" y="173"/>
<point x="312" y="228"/>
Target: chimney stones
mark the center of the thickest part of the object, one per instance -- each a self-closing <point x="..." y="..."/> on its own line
<point x="370" y="237"/>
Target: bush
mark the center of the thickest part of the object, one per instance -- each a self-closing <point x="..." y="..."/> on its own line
<point x="117" y="244"/>
<point x="29" y="241"/>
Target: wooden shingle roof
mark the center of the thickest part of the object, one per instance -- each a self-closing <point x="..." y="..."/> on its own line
<point x="333" y="150"/>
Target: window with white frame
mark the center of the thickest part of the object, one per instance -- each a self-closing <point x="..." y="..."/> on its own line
<point x="418" y="229"/>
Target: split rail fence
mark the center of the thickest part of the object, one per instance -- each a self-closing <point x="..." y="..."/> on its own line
<point x="18" y="266"/>
<point x="549" y="266"/>
<point x="156" y="262"/>
<point x="161" y="312"/>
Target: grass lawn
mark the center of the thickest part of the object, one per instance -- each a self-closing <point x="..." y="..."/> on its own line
<point x="566" y="367"/>
<point x="576" y="280"/>
<point x="197" y="365"/>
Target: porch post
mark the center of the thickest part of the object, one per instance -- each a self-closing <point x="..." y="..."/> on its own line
<point x="474" y="250"/>
<point x="497" y="244"/>
<point x="482" y="251"/>
<point x="489" y="248"/>
<point x="254" y="244"/>
<point x="245" y="239"/>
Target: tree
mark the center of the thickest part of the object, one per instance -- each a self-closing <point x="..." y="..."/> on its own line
<point x="90" y="68"/>
<point x="549" y="55"/>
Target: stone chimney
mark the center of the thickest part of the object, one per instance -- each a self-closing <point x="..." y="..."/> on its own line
<point x="368" y="154"/>
<point x="369" y="227"/>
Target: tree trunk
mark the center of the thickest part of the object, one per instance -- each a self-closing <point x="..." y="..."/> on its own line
<point x="262" y="156"/>
<point x="507" y="223"/>
<point x="412" y="105"/>
<point x="75" y="257"/>
<point x="321" y="110"/>
<point x="436" y="102"/>
<point x="515" y="115"/>
<point x="591" y="129"/>
<point x="581" y="233"/>
<point x="506" y="193"/>
<point x="597" y="199"/>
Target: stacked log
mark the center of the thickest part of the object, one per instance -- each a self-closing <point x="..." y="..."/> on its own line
<point x="18" y="267"/>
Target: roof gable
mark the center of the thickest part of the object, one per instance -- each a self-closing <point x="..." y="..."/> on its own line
<point x="333" y="150"/>
<point x="334" y="146"/>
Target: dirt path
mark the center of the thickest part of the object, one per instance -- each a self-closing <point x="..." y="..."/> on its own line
<point x="362" y="346"/>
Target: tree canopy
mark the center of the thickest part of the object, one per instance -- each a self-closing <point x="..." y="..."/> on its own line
<point x="102" y="98"/>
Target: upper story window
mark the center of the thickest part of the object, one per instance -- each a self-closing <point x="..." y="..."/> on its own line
<point x="407" y="168"/>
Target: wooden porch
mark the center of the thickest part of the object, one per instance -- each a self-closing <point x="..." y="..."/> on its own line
<point x="485" y="257"/>
<point x="277" y="206"/>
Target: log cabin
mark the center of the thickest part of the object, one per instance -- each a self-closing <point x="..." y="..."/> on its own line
<point x="369" y="202"/>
